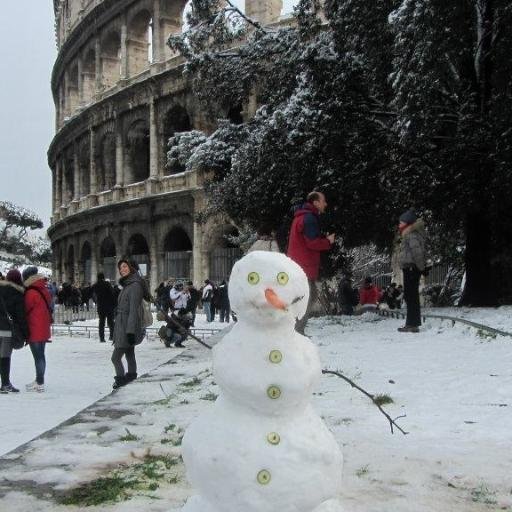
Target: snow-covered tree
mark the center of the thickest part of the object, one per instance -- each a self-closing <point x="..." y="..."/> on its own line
<point x="41" y="251"/>
<point x="15" y="223"/>
<point x="388" y="105"/>
<point x="314" y="128"/>
<point x="452" y="74"/>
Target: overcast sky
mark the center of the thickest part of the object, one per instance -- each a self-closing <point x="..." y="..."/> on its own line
<point x="27" y="54"/>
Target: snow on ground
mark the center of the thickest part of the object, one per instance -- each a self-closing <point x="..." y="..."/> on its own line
<point x="79" y="372"/>
<point x="499" y="318"/>
<point x="454" y="387"/>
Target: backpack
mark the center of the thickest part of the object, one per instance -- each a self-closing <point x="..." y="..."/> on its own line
<point x="147" y="316"/>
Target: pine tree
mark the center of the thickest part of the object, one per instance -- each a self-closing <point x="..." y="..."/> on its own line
<point x="451" y="82"/>
<point x="389" y="105"/>
<point x="15" y="222"/>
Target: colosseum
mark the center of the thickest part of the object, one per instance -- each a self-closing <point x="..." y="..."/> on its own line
<point x="119" y="96"/>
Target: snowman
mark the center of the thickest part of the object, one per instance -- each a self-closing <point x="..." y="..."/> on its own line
<point x="261" y="447"/>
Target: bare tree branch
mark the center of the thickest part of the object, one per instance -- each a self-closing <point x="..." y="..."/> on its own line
<point x="392" y="422"/>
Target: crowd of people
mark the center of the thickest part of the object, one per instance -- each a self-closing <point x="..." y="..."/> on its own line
<point x="185" y="297"/>
<point x="27" y="303"/>
<point x="27" y="299"/>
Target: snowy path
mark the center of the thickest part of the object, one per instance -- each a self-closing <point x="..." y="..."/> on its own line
<point x="454" y="386"/>
<point x="79" y="372"/>
<point x="456" y="390"/>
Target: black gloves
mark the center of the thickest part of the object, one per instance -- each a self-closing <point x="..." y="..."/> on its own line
<point x="130" y="338"/>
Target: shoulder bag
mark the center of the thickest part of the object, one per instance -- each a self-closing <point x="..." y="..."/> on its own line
<point x="17" y="338"/>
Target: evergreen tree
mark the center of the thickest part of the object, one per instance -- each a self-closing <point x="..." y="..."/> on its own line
<point x="389" y="105"/>
<point x="15" y="222"/>
<point x="451" y="84"/>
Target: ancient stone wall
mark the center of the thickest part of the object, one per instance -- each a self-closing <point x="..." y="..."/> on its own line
<point x="119" y="96"/>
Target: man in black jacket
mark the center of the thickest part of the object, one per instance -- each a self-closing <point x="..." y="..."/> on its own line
<point x="105" y="299"/>
<point x="12" y="309"/>
<point x="195" y="297"/>
<point x="223" y="302"/>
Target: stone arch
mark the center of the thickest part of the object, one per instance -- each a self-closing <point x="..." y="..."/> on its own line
<point x="175" y="120"/>
<point x="84" y="165"/>
<point x="138" y="250"/>
<point x="111" y="59"/>
<point x="235" y="114"/>
<point x="86" y="264"/>
<point x="223" y="252"/>
<point x="72" y="89"/>
<point x="137" y="152"/>
<point x="265" y="12"/>
<point x="69" y="178"/>
<point x="62" y="104"/>
<point x="89" y="75"/>
<point x="70" y="264"/>
<point x="108" y="261"/>
<point x="57" y="262"/>
<point x="140" y="42"/>
<point x="177" y="248"/>
<point x="172" y="13"/>
<point x="106" y="162"/>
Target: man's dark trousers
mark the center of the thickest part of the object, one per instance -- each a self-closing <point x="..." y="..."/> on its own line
<point x="109" y="316"/>
<point x="412" y="296"/>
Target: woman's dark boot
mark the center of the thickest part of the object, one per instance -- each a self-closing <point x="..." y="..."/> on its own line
<point x="130" y="376"/>
<point x="119" y="382"/>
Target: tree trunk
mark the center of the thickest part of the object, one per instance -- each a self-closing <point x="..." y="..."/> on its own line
<point x="478" y="290"/>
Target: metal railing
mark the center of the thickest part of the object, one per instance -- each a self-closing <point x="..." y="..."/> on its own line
<point x="88" y="331"/>
<point x="63" y="315"/>
<point x="453" y="319"/>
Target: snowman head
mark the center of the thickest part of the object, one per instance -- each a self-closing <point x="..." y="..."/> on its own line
<point x="268" y="287"/>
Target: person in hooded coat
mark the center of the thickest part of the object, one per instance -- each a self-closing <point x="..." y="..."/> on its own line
<point x="11" y="303"/>
<point x="129" y="330"/>
<point x="38" y="310"/>
<point x="412" y="263"/>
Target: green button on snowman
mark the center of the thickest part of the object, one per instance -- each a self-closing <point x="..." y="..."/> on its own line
<point x="261" y="447"/>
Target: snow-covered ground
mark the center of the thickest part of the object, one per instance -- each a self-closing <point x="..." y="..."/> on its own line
<point x="499" y="318"/>
<point x="453" y="385"/>
<point x="78" y="373"/>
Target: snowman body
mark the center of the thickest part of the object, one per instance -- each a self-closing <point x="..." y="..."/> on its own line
<point x="261" y="447"/>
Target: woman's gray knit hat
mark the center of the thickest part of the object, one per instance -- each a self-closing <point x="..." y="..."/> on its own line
<point x="409" y="217"/>
<point x="29" y="272"/>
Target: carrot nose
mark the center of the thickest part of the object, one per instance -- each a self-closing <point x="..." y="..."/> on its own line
<point x="274" y="300"/>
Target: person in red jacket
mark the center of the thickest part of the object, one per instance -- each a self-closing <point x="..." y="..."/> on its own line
<point x="369" y="294"/>
<point x="306" y="243"/>
<point x="38" y="304"/>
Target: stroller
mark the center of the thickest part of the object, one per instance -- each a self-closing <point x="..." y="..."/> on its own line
<point x="176" y="330"/>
